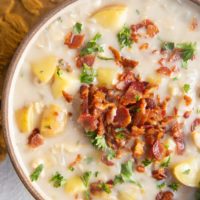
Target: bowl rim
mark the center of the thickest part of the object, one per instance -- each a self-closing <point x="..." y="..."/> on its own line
<point x="7" y="86"/>
<point x="6" y="91"/>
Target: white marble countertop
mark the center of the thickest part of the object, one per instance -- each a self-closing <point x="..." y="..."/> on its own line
<point x="10" y="185"/>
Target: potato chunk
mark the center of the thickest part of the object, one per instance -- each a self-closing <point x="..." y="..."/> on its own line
<point x="125" y="196"/>
<point x="111" y="16"/>
<point x="196" y="138"/>
<point x="106" y="76"/>
<point x="64" y="82"/>
<point x="44" y="68"/>
<point x="188" y="173"/>
<point x="74" y="185"/>
<point x="24" y="119"/>
<point x="53" y="121"/>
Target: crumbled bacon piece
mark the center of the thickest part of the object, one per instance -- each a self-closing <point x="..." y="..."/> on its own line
<point x="116" y="54"/>
<point x="194" y="24"/>
<point x="74" y="41"/>
<point x="138" y="149"/>
<point x="188" y="100"/>
<point x="187" y="114"/>
<point x="88" y="122"/>
<point x="144" y="46"/>
<point x="165" y="195"/>
<point x="123" y="117"/>
<point x="88" y="60"/>
<point x="105" y="160"/>
<point x="101" y="128"/>
<point x="136" y="131"/>
<point x="140" y="169"/>
<point x="125" y="62"/>
<point x="67" y="97"/>
<point x="159" y="174"/>
<point x="96" y="188"/>
<point x="195" y="123"/>
<point x="76" y="161"/>
<point x="35" y="139"/>
<point x="157" y="150"/>
<point x="164" y="71"/>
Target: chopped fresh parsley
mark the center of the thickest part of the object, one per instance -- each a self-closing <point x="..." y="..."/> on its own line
<point x="77" y="28"/>
<point x="105" y="187"/>
<point x="146" y="162"/>
<point x="59" y="72"/>
<point x="96" y="174"/>
<point x="137" y="97"/>
<point x="166" y="162"/>
<point x="99" y="142"/>
<point x="186" y="172"/>
<point x="36" y="173"/>
<point x="58" y="180"/>
<point x="70" y="168"/>
<point x="92" y="46"/>
<point x="120" y="136"/>
<point x="125" y="174"/>
<point x="87" y="195"/>
<point x="104" y="58"/>
<point x="174" y="186"/>
<point x="87" y="75"/>
<point x="188" y="50"/>
<point x="86" y="178"/>
<point x="161" y="185"/>
<point x="119" y="130"/>
<point x="167" y="46"/>
<point x="124" y="37"/>
<point x="175" y="78"/>
<point x="186" y="88"/>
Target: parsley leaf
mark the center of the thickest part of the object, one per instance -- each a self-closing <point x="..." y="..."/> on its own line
<point x="146" y="162"/>
<point x="59" y="72"/>
<point x="105" y="187"/>
<point x="58" y="180"/>
<point x="87" y="75"/>
<point x="96" y="174"/>
<point x="186" y="172"/>
<point x="35" y="175"/>
<point x="161" y="185"/>
<point x="188" y="50"/>
<point x="77" y="28"/>
<point x="124" y="37"/>
<point x="166" y="162"/>
<point x="167" y="46"/>
<point x="174" y="186"/>
<point x="104" y="58"/>
<point x="86" y="178"/>
<point x="120" y="136"/>
<point x="70" y="168"/>
<point x="186" y="88"/>
<point x="92" y="46"/>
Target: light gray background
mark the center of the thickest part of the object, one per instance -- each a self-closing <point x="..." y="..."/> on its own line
<point x="11" y="187"/>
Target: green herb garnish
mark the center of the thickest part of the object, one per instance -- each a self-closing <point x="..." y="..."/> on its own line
<point x="104" y="58"/>
<point x="146" y="162"/>
<point x="59" y="72"/>
<point x="77" y="28"/>
<point x="161" y="185"/>
<point x="119" y="130"/>
<point x="120" y="136"/>
<point x="105" y="187"/>
<point x="166" y="163"/>
<point x="87" y="75"/>
<point x="186" y="172"/>
<point x="86" y="178"/>
<point x="96" y="174"/>
<point x="89" y="159"/>
<point x="36" y="173"/>
<point x="167" y="46"/>
<point x="70" y="168"/>
<point x="186" y="88"/>
<point x="124" y="37"/>
<point x="198" y="110"/>
<point x="92" y="46"/>
<point x="174" y="186"/>
<point x="137" y="97"/>
<point x="175" y="78"/>
<point x="58" y="180"/>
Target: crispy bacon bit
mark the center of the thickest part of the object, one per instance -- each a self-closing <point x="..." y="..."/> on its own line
<point x="195" y="123"/>
<point x="88" y="122"/>
<point x="178" y="137"/>
<point x="140" y="169"/>
<point x="88" y="60"/>
<point x="164" y="71"/>
<point x="187" y="114"/>
<point x="95" y="188"/>
<point x="159" y="174"/>
<point x="67" y="97"/>
<point x="101" y="128"/>
<point x="152" y="30"/>
<point x="194" y="24"/>
<point x="74" y="41"/>
<point x="144" y="46"/>
<point x="157" y="150"/>
<point x="123" y="117"/>
<point x="76" y="161"/>
<point x="116" y="54"/>
<point x="138" y="149"/>
<point x="165" y="195"/>
<point x="188" y="100"/>
<point x="136" y="131"/>
<point x="128" y="63"/>
<point x="35" y="139"/>
<point x="105" y="160"/>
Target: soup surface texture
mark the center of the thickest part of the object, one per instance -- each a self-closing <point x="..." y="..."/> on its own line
<point x="106" y="102"/>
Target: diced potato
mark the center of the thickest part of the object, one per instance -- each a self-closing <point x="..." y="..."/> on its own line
<point x="188" y="173"/>
<point x="111" y="16"/>
<point x="44" y="68"/>
<point x="125" y="196"/>
<point x="173" y="90"/>
<point x="196" y="138"/>
<point x="53" y="121"/>
<point x="155" y="79"/>
<point x="74" y="185"/>
<point x="106" y="76"/>
<point x="24" y="119"/>
<point x="64" y="82"/>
